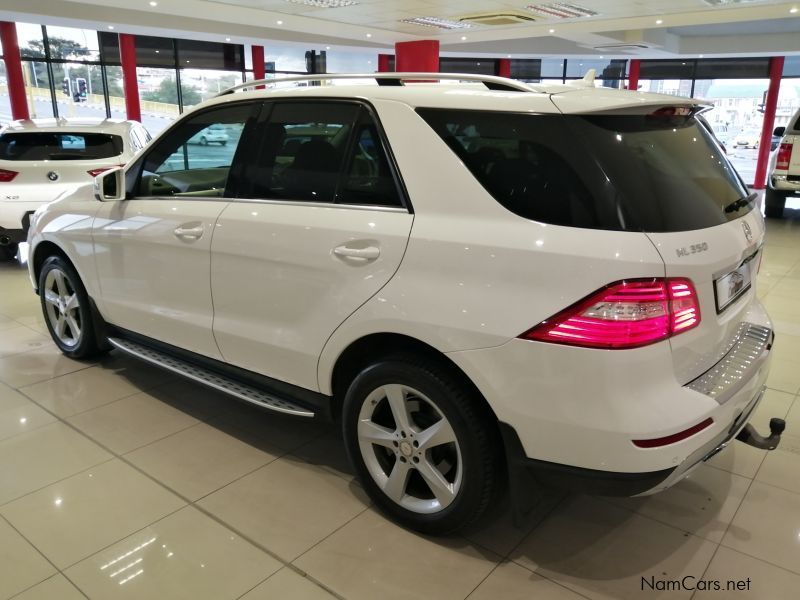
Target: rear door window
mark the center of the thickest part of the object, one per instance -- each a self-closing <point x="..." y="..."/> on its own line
<point x="42" y="145"/>
<point x="634" y="172"/>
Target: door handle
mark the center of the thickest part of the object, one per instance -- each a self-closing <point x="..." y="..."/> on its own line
<point x="189" y="233"/>
<point x="365" y="254"/>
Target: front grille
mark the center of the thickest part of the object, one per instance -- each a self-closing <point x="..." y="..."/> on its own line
<point x="745" y="355"/>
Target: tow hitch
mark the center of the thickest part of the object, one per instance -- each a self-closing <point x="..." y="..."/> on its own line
<point x="751" y="437"/>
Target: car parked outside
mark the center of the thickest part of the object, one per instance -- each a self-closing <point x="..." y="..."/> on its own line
<point x="784" y="169"/>
<point x="43" y="158"/>
<point x="216" y="134"/>
<point x="442" y="270"/>
<point x="748" y="139"/>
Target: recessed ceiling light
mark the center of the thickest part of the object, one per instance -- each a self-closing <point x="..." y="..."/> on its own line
<point x="158" y="51"/>
<point x="327" y="47"/>
<point x="463" y="38"/>
<point x="153" y="3"/>
<point x="700" y="55"/>
<point x="227" y="39"/>
<point x="279" y="22"/>
<point x="560" y="10"/>
<point x="325" y="3"/>
<point x="369" y="35"/>
<point x="601" y="57"/>
<point x="508" y="56"/>
<point x="552" y="31"/>
<point x="111" y="27"/>
<point x="659" y="21"/>
<point x="437" y="22"/>
<point x="188" y="61"/>
<point x="793" y="9"/>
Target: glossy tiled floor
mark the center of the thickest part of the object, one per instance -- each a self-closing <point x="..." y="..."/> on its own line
<point x="118" y="481"/>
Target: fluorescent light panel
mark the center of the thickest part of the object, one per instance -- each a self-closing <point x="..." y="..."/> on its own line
<point x="437" y="22"/>
<point x="560" y="10"/>
<point x="325" y="3"/>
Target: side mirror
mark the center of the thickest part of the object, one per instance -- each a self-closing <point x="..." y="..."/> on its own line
<point x="110" y="185"/>
<point x="779" y="131"/>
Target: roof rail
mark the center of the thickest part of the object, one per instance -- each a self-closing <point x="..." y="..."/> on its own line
<point x="491" y="82"/>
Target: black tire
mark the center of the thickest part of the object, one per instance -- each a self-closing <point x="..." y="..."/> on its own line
<point x="8" y="252"/>
<point x="223" y="143"/>
<point x="477" y="444"/>
<point x="85" y="342"/>
<point x="774" y="203"/>
<point x="203" y="141"/>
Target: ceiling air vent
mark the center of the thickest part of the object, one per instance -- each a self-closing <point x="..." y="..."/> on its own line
<point x="727" y="2"/>
<point x="623" y="47"/>
<point x="504" y="18"/>
<point x="560" y="10"/>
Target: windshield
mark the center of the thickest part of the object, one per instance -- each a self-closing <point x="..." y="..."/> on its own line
<point x="632" y="173"/>
<point x="42" y="145"/>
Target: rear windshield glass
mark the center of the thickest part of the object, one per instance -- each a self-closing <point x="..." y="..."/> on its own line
<point x="633" y="173"/>
<point x="41" y="145"/>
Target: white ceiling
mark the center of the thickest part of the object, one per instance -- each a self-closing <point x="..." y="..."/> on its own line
<point x="686" y="27"/>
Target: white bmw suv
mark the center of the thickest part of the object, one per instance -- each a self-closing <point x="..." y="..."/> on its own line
<point x="547" y="285"/>
<point x="43" y="158"/>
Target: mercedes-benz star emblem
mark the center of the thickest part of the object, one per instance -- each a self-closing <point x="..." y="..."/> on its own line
<point x="52" y="176"/>
<point x="748" y="233"/>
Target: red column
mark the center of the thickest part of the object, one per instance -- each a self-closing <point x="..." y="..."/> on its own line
<point x="633" y="75"/>
<point x="259" y="71"/>
<point x="383" y="63"/>
<point x="417" y="57"/>
<point x="16" y="82"/>
<point x="127" y="54"/>
<point x="775" y="74"/>
<point x="503" y="67"/>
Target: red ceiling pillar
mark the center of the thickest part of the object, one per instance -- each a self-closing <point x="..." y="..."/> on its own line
<point x="127" y="55"/>
<point x="259" y="70"/>
<point x="633" y="74"/>
<point x="503" y="67"/>
<point x="384" y="63"/>
<point x="16" y="81"/>
<point x="775" y="74"/>
<point x="417" y="57"/>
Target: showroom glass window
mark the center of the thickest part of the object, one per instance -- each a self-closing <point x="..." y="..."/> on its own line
<point x="195" y="158"/>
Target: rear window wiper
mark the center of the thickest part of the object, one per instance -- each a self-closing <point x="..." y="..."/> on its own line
<point x="741" y="203"/>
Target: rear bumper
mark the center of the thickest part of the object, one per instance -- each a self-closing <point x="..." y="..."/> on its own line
<point x="13" y="235"/>
<point x="781" y="184"/>
<point x="531" y="474"/>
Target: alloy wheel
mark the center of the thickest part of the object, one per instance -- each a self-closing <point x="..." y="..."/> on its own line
<point x="63" y="307"/>
<point x="410" y="449"/>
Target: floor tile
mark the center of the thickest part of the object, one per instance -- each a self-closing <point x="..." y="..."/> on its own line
<point x="78" y="516"/>
<point x="18" y="414"/>
<point x="132" y="422"/>
<point x="509" y="581"/>
<point x="603" y="551"/>
<point x="327" y="451"/>
<point x="702" y="504"/>
<point x="87" y="389"/>
<point x="199" y="460"/>
<point x="32" y="460"/>
<point x="21" y="339"/>
<point x="767" y="526"/>
<point x="371" y="557"/>
<point x="784" y="375"/>
<point x="184" y="556"/>
<point x="288" y="584"/>
<point x="747" y="578"/>
<point x="55" y="588"/>
<point x="21" y="566"/>
<point x="43" y="363"/>
<point x="782" y="469"/>
<point x="304" y="504"/>
<point x="499" y="532"/>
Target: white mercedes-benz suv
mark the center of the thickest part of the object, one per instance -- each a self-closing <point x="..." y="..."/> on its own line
<point x="484" y="283"/>
<point x="43" y="158"/>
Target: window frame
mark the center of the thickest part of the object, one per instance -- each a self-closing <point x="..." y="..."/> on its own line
<point x="133" y="175"/>
<point x="246" y="193"/>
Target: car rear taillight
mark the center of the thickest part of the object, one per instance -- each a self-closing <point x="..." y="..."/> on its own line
<point x="6" y="175"/>
<point x="625" y="314"/>
<point x="784" y="154"/>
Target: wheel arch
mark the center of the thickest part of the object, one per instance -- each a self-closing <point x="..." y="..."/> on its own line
<point x="44" y="250"/>
<point x="375" y="346"/>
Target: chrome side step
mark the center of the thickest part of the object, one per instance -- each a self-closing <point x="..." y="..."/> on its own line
<point x="211" y="379"/>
